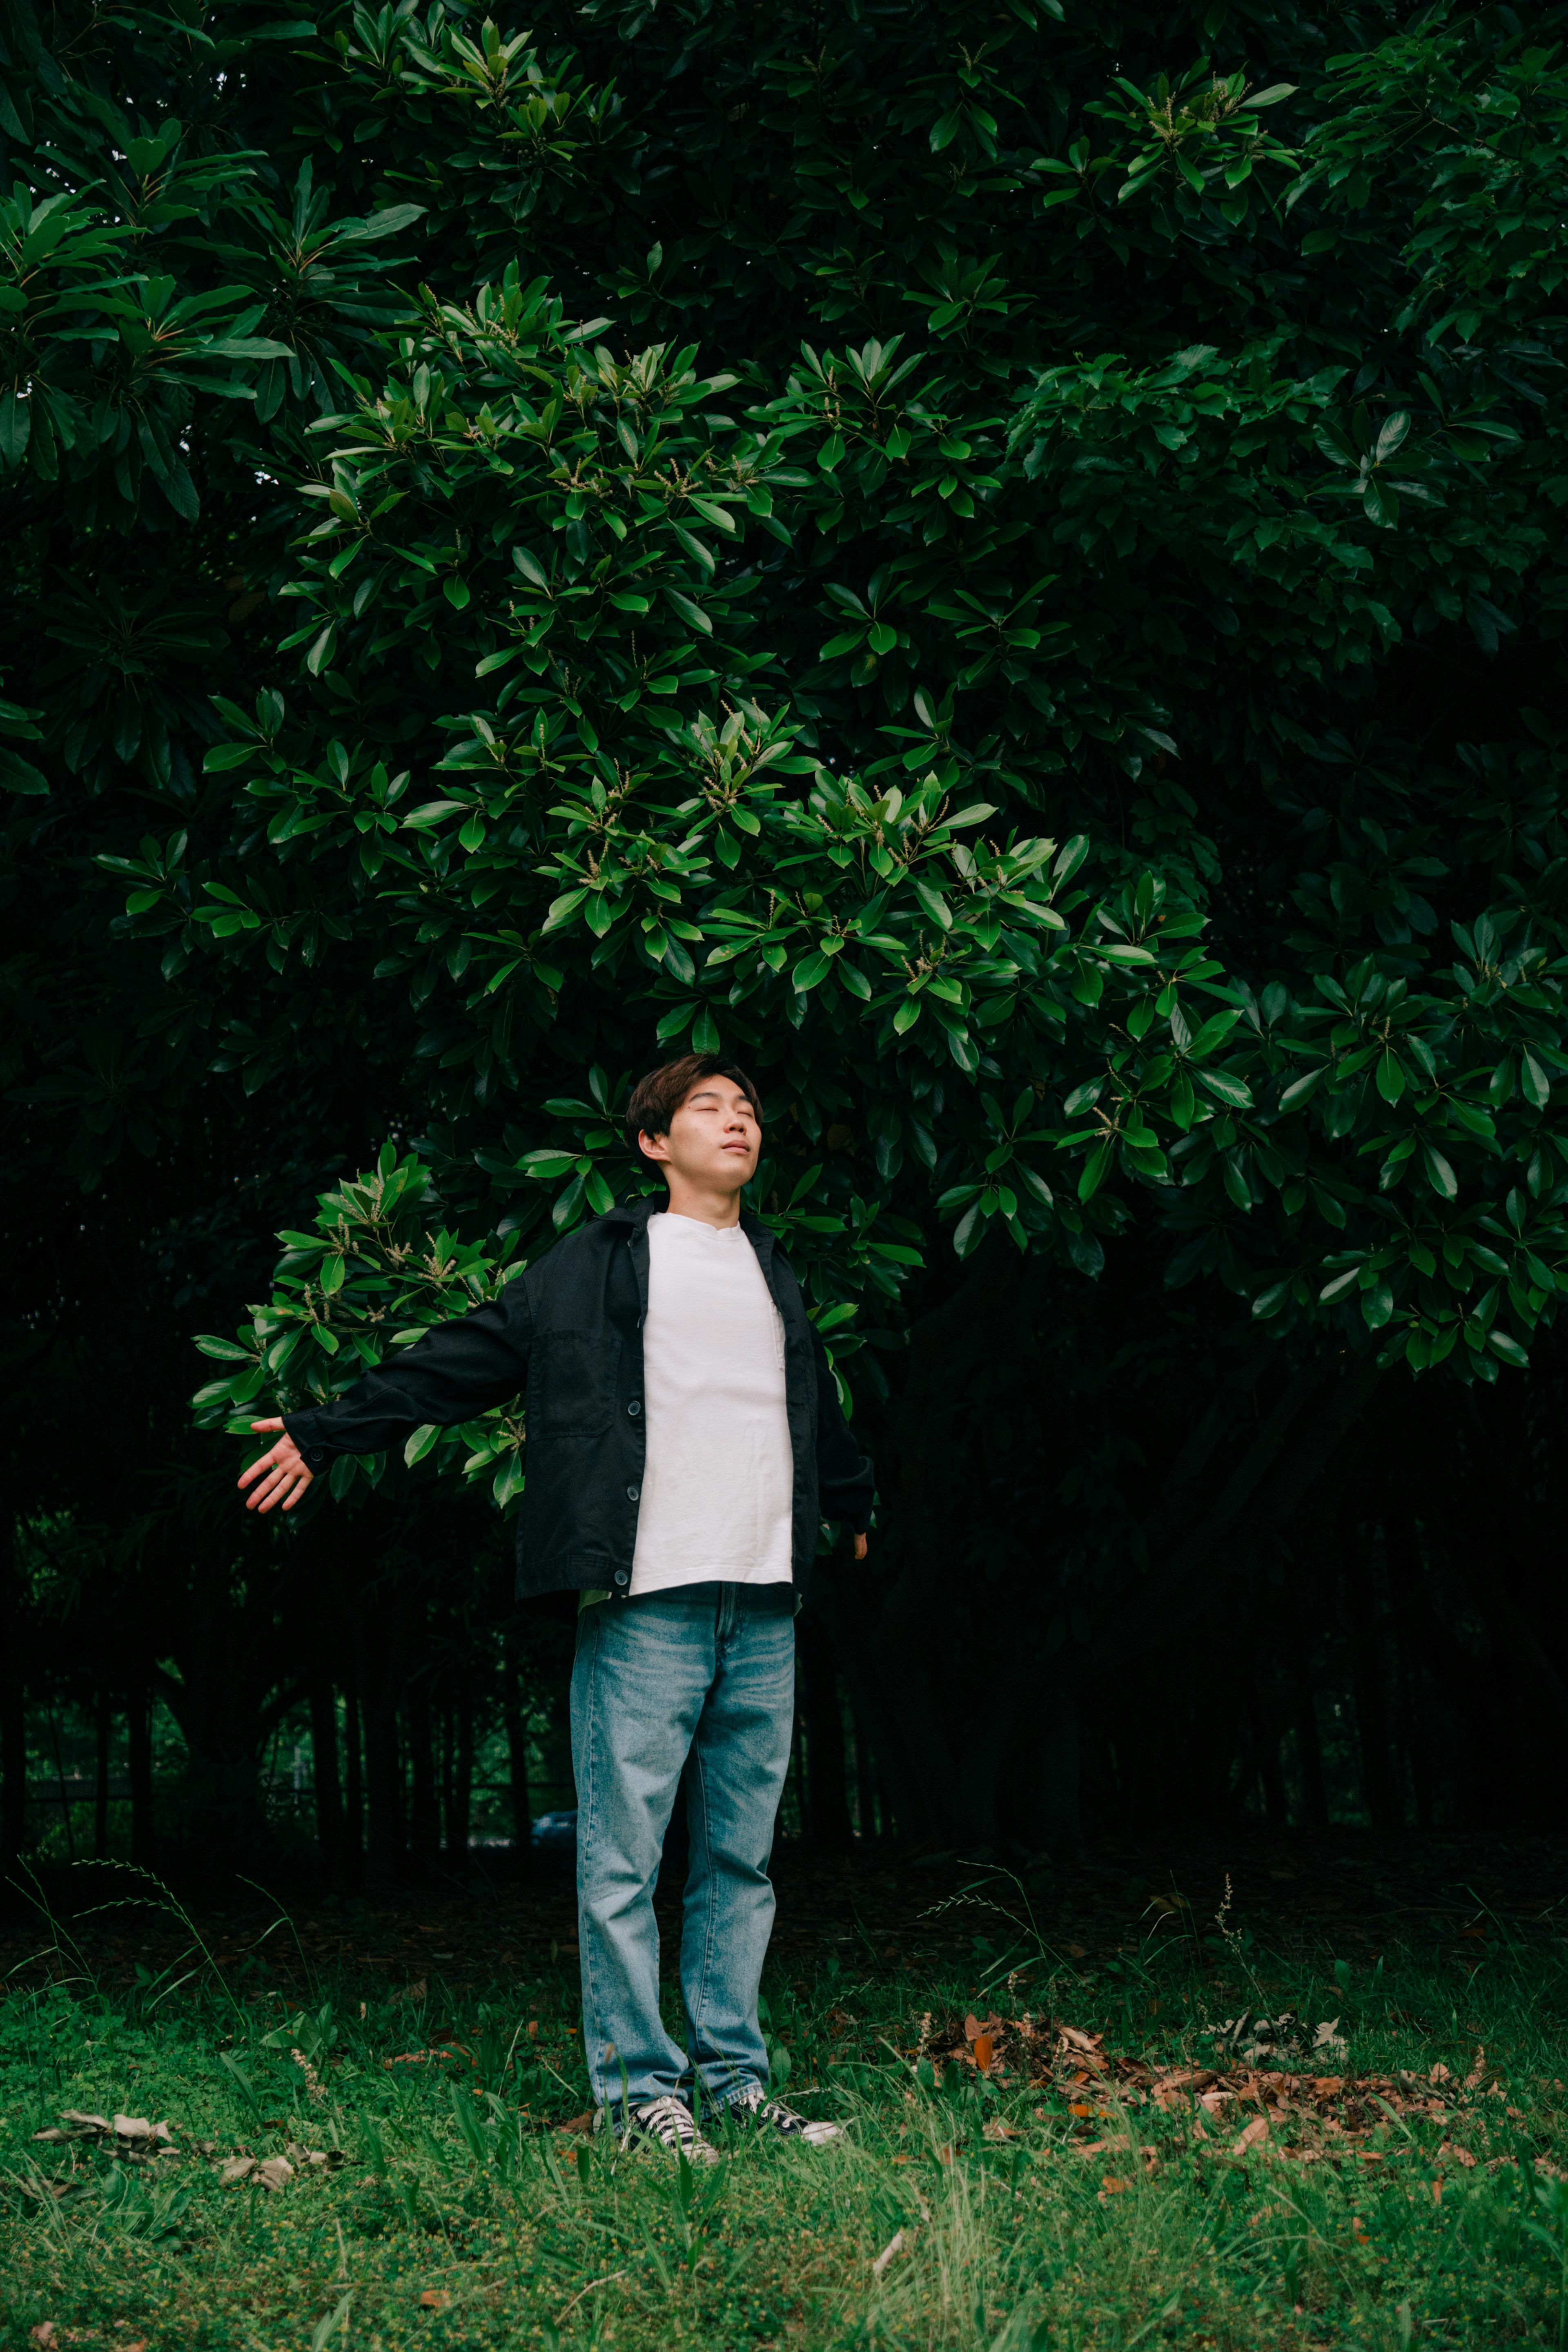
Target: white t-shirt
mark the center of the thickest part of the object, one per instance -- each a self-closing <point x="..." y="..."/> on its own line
<point x="718" y="1484"/>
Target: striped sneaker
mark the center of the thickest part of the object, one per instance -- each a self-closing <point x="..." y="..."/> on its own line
<point x="669" y="2124"/>
<point x="754" y="2111"/>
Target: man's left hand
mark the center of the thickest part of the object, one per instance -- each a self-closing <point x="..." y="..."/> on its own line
<point x="860" y="1551"/>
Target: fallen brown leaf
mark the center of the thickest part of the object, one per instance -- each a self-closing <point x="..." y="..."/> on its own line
<point x="1258" y="2129"/>
<point x="897" y="2244"/>
<point x="434" y="2298"/>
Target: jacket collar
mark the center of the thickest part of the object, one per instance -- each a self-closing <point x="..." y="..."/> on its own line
<point x="636" y="1213"/>
<point x="759" y="1236"/>
<point x="633" y="1212"/>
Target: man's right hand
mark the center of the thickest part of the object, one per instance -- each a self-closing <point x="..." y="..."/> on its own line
<point x="283" y="1474"/>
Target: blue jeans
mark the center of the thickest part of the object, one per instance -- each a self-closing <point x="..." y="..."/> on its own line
<point x="697" y="1683"/>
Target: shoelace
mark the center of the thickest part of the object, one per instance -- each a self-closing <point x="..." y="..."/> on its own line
<point x="671" y="2123"/>
<point x="764" y="2110"/>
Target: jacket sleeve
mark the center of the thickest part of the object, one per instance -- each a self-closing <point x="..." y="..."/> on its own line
<point x="456" y="1371"/>
<point x="846" y="1480"/>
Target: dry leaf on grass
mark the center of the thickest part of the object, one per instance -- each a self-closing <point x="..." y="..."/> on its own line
<point x="415" y="1991"/>
<point x="434" y="2298"/>
<point x="43" y="2334"/>
<point x="1257" y="2130"/>
<point x="275" y="2173"/>
<point x="899" y="2244"/>
<point x="1254" y="2039"/>
<point x="1325" y="2112"/>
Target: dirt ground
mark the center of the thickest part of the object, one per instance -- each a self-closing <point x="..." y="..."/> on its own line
<point x="872" y="1908"/>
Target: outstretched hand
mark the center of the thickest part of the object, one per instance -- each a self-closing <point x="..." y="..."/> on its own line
<point x="286" y="1477"/>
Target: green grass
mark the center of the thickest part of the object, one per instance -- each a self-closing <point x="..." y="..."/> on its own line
<point x="458" y="2183"/>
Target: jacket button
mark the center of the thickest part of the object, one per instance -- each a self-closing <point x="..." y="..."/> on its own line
<point x="635" y="1408"/>
<point x="317" y="1454"/>
<point x="631" y="1493"/>
<point x="622" y="1576"/>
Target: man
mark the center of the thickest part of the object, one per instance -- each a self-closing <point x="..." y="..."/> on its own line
<point x="685" y="1436"/>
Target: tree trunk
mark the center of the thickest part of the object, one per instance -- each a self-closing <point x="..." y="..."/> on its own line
<point x="459" y="1824"/>
<point x="105" y="1728"/>
<point x="1405" y="1575"/>
<point x="354" y="1785"/>
<point x="795" y="1775"/>
<point x="383" y="1772"/>
<point x="865" y="1782"/>
<point x="1369" y="1681"/>
<point x="66" y="1807"/>
<point x="13" y="1708"/>
<point x="328" y="1788"/>
<point x="424" y="1807"/>
<point x="1037" y="1804"/>
<point x="1315" y="1795"/>
<point x="1270" y="1772"/>
<point x="826" y="1807"/>
<point x="516" y="1732"/>
<point x="139" y="1759"/>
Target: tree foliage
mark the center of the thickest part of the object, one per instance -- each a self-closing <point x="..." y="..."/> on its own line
<point x="1002" y="566"/>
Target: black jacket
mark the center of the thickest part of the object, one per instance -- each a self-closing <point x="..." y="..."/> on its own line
<point x="569" y="1331"/>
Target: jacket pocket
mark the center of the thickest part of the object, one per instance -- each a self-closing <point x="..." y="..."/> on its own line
<point x="572" y="1391"/>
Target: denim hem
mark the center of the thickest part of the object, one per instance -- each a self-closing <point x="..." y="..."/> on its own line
<point x="717" y="2107"/>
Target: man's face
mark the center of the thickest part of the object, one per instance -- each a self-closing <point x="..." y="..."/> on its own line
<point x="714" y="1138"/>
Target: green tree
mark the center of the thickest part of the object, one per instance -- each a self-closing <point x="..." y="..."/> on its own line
<point x="1002" y="567"/>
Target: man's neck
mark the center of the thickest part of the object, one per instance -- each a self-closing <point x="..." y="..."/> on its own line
<point x="705" y="1205"/>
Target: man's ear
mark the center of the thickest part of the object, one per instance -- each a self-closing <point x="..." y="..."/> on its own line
<point x="653" y="1147"/>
